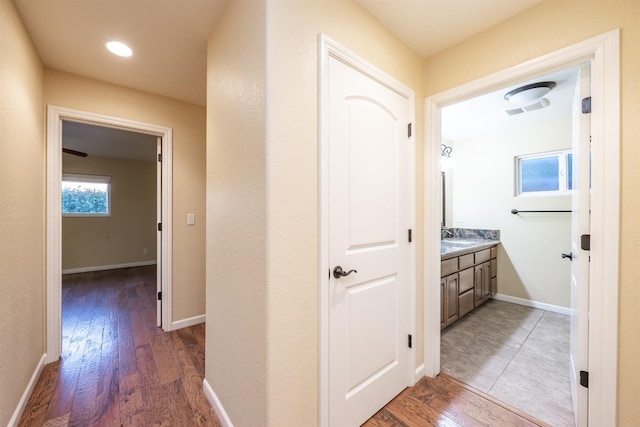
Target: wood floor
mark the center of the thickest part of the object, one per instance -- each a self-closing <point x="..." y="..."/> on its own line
<point x="444" y="401"/>
<point x="118" y="368"/>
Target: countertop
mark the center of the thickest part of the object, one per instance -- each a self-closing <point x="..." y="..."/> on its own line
<point x="460" y="246"/>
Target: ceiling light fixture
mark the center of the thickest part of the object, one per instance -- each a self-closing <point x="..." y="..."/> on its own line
<point x="119" y="49"/>
<point x="529" y="93"/>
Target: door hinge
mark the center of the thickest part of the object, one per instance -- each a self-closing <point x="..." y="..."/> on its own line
<point x="160" y="296"/>
<point x="410" y="235"/>
<point x="160" y="157"/>
<point x="584" y="379"/>
<point x="409" y="130"/>
<point x="410" y="343"/>
<point x="159" y="226"/>
<point x="586" y="105"/>
<point x="585" y="242"/>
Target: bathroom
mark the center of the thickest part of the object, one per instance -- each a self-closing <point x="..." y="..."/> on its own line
<point x="507" y="191"/>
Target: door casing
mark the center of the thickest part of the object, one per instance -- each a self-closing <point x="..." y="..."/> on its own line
<point x="55" y="116"/>
<point x="603" y="52"/>
<point x="326" y="48"/>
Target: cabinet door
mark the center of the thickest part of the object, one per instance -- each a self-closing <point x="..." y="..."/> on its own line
<point x="443" y="303"/>
<point x="477" y="285"/>
<point x="451" y="289"/>
<point x="486" y="281"/>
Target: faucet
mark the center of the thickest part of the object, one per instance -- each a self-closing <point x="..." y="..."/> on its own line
<point x="444" y="232"/>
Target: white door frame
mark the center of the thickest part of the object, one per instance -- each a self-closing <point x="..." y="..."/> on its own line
<point x="604" y="54"/>
<point x="55" y="116"/>
<point x="326" y="48"/>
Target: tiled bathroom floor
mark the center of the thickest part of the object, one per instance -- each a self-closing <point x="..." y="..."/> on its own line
<point x="517" y="354"/>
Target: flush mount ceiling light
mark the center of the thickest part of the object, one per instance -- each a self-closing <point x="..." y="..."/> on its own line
<point x="119" y="49"/>
<point x="529" y="93"/>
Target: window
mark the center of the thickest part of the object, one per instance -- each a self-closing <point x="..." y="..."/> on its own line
<point x="544" y="174"/>
<point x="86" y="195"/>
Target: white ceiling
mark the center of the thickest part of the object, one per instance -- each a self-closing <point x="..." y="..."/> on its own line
<point x="169" y="37"/>
<point x="430" y="26"/>
<point x="98" y="141"/>
<point x="486" y="114"/>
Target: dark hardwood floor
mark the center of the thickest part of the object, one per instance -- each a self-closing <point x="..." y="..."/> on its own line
<point x="444" y="401"/>
<point x="117" y="368"/>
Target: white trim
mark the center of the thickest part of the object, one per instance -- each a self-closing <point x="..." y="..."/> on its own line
<point x="108" y="267"/>
<point x="534" y="304"/>
<point x="55" y="115"/>
<point x="604" y="54"/>
<point x="419" y="373"/>
<point x="190" y="321"/>
<point x="22" y="403"/>
<point x="212" y="397"/>
<point x="326" y="48"/>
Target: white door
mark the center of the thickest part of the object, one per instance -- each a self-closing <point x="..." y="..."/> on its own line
<point x="159" y="233"/>
<point x="580" y="226"/>
<point x="368" y="228"/>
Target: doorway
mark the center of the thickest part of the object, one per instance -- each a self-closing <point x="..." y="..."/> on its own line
<point x="55" y="118"/>
<point x="603" y="54"/>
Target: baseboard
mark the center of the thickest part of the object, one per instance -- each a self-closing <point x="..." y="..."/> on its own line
<point x="216" y="404"/>
<point x="534" y="304"/>
<point x="184" y="323"/>
<point x="419" y="373"/>
<point x="22" y="403"/>
<point x="108" y="267"/>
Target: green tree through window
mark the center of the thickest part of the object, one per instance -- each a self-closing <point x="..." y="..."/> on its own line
<point x="85" y="195"/>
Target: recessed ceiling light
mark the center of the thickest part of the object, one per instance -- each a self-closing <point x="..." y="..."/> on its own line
<point x="119" y="49"/>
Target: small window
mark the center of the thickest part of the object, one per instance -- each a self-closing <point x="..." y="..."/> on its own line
<point x="86" y="195"/>
<point x="544" y="174"/>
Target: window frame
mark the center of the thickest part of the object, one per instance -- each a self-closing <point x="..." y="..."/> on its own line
<point x="563" y="176"/>
<point x="95" y="179"/>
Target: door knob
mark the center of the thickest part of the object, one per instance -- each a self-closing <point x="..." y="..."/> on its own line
<point x="338" y="272"/>
<point x="569" y="255"/>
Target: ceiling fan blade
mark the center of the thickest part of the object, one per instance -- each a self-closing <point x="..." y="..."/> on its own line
<point x="74" y="152"/>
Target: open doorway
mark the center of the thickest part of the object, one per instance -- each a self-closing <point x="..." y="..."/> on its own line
<point x="602" y="53"/>
<point x="512" y="149"/>
<point x="106" y="246"/>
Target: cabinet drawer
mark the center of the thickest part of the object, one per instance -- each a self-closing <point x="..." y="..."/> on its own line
<point x="494" y="267"/>
<point x="482" y="256"/>
<point x="494" y="252"/>
<point x="448" y="266"/>
<point x="466" y="280"/>
<point x="465" y="303"/>
<point x="466" y="261"/>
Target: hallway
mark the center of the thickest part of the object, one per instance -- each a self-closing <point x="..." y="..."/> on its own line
<point x="118" y="368"/>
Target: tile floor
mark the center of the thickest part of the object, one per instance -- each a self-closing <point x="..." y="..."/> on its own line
<point x="517" y="354"/>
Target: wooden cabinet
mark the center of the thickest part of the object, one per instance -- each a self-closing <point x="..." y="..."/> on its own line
<point x="467" y="281"/>
<point x="449" y="305"/>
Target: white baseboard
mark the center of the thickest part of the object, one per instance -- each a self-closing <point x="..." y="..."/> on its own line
<point x="216" y="404"/>
<point x="534" y="304"/>
<point x="22" y="404"/>
<point x="184" y="323"/>
<point x="419" y="373"/>
<point x="108" y="267"/>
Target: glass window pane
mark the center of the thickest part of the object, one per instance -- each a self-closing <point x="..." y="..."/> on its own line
<point x="85" y="197"/>
<point x="569" y="171"/>
<point x="540" y="174"/>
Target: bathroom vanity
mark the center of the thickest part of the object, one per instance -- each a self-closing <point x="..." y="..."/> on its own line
<point x="468" y="275"/>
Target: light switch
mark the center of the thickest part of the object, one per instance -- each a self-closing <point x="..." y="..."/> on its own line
<point x="191" y="219"/>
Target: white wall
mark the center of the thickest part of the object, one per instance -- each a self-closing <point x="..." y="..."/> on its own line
<point x="529" y="260"/>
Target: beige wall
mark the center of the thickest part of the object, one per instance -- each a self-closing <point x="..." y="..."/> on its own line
<point x="188" y="124"/>
<point x="21" y="210"/>
<point x="279" y="262"/>
<point x="551" y="25"/>
<point x="236" y="203"/>
<point x="529" y="262"/>
<point x="121" y="237"/>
